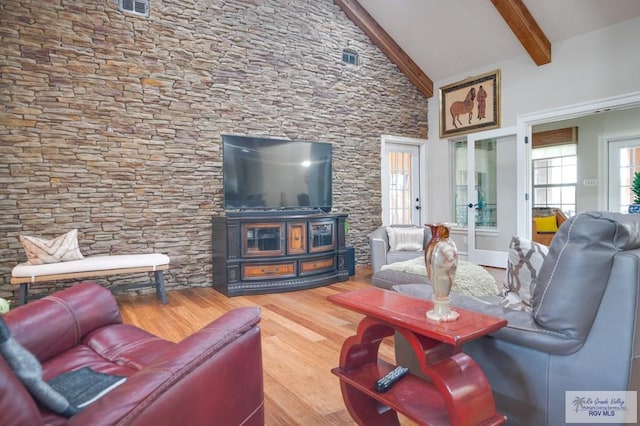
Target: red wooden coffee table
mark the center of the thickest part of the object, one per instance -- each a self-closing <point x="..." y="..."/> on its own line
<point x="458" y="393"/>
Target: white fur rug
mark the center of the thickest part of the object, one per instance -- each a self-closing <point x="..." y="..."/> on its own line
<point x="471" y="279"/>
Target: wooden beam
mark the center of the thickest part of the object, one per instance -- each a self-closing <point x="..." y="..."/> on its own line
<point x="389" y="47"/>
<point x="531" y="36"/>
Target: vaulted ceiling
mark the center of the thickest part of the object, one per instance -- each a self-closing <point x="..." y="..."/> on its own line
<point x="431" y="40"/>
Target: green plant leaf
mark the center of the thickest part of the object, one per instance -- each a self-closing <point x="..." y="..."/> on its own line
<point x="4" y="306"/>
<point x="635" y="188"/>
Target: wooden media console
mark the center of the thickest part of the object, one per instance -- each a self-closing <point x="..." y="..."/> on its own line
<point x="267" y="252"/>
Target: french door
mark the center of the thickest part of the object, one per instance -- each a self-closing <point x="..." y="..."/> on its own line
<point x="401" y="181"/>
<point x="492" y="196"/>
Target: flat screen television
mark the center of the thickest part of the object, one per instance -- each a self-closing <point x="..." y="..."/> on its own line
<point x="267" y="174"/>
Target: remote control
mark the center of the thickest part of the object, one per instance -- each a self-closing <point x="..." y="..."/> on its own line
<point x="385" y="383"/>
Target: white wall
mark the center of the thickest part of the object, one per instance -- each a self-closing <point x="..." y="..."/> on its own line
<point x="597" y="65"/>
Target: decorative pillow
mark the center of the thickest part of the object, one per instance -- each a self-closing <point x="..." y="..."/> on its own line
<point x="546" y="223"/>
<point x="405" y="238"/>
<point x="525" y="261"/>
<point x="61" y="249"/>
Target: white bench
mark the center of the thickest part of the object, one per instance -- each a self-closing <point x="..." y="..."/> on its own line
<point x="94" y="266"/>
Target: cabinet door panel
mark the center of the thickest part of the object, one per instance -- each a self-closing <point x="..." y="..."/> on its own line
<point x="297" y="238"/>
<point x="322" y="236"/>
<point x="263" y="239"/>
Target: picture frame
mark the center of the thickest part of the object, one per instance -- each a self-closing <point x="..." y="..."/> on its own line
<point x="470" y="105"/>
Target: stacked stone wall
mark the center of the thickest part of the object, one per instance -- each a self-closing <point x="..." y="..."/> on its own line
<point x="111" y="123"/>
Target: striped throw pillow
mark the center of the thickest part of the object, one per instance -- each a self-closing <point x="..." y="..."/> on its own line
<point x="61" y="249"/>
<point x="405" y="239"/>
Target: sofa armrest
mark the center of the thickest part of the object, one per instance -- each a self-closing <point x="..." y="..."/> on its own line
<point x="378" y="254"/>
<point x="560" y="217"/>
<point x="56" y="323"/>
<point x="213" y="376"/>
<point x="521" y="328"/>
<point x="378" y="246"/>
<point x="381" y="235"/>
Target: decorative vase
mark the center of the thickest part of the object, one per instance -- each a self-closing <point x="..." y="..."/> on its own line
<point x="634" y="208"/>
<point x="441" y="260"/>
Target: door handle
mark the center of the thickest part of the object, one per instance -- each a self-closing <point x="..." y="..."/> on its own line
<point x="418" y="207"/>
<point x="471" y="205"/>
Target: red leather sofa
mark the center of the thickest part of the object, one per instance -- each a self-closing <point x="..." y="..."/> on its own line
<point x="213" y="377"/>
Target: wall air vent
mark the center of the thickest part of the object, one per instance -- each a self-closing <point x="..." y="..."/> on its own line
<point x="136" y="7"/>
<point x="350" y="57"/>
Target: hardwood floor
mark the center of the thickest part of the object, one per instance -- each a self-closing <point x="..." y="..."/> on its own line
<point x="302" y="334"/>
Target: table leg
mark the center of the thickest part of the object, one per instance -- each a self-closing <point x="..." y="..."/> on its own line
<point x="357" y="351"/>
<point x="24" y="293"/>
<point x="160" y="290"/>
<point x="458" y="378"/>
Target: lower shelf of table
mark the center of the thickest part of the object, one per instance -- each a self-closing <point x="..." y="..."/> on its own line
<point x="412" y="396"/>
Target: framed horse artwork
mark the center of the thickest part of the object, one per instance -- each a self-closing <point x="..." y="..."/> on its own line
<point x="470" y="105"/>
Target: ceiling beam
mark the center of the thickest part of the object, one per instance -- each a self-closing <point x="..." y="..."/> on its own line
<point x="389" y="47"/>
<point x="531" y="36"/>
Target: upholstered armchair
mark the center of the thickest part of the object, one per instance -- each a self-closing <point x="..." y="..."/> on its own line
<point x="545" y="224"/>
<point x="213" y="376"/>
<point x="582" y="331"/>
<point x="396" y="243"/>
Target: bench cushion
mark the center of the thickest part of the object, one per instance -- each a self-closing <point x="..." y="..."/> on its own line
<point x="91" y="263"/>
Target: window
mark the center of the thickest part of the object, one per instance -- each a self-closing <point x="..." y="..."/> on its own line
<point x="624" y="162"/>
<point x="350" y="57"/>
<point x="485" y="183"/>
<point x="460" y="198"/>
<point x="400" y="191"/>
<point x="555" y="174"/>
<point x="136" y="7"/>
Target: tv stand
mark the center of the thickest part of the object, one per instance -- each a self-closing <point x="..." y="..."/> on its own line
<point x="273" y="212"/>
<point x="271" y="251"/>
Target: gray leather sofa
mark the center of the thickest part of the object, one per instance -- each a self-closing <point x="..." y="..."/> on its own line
<point x="381" y="253"/>
<point x="583" y="332"/>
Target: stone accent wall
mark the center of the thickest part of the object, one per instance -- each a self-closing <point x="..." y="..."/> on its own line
<point x="112" y="123"/>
